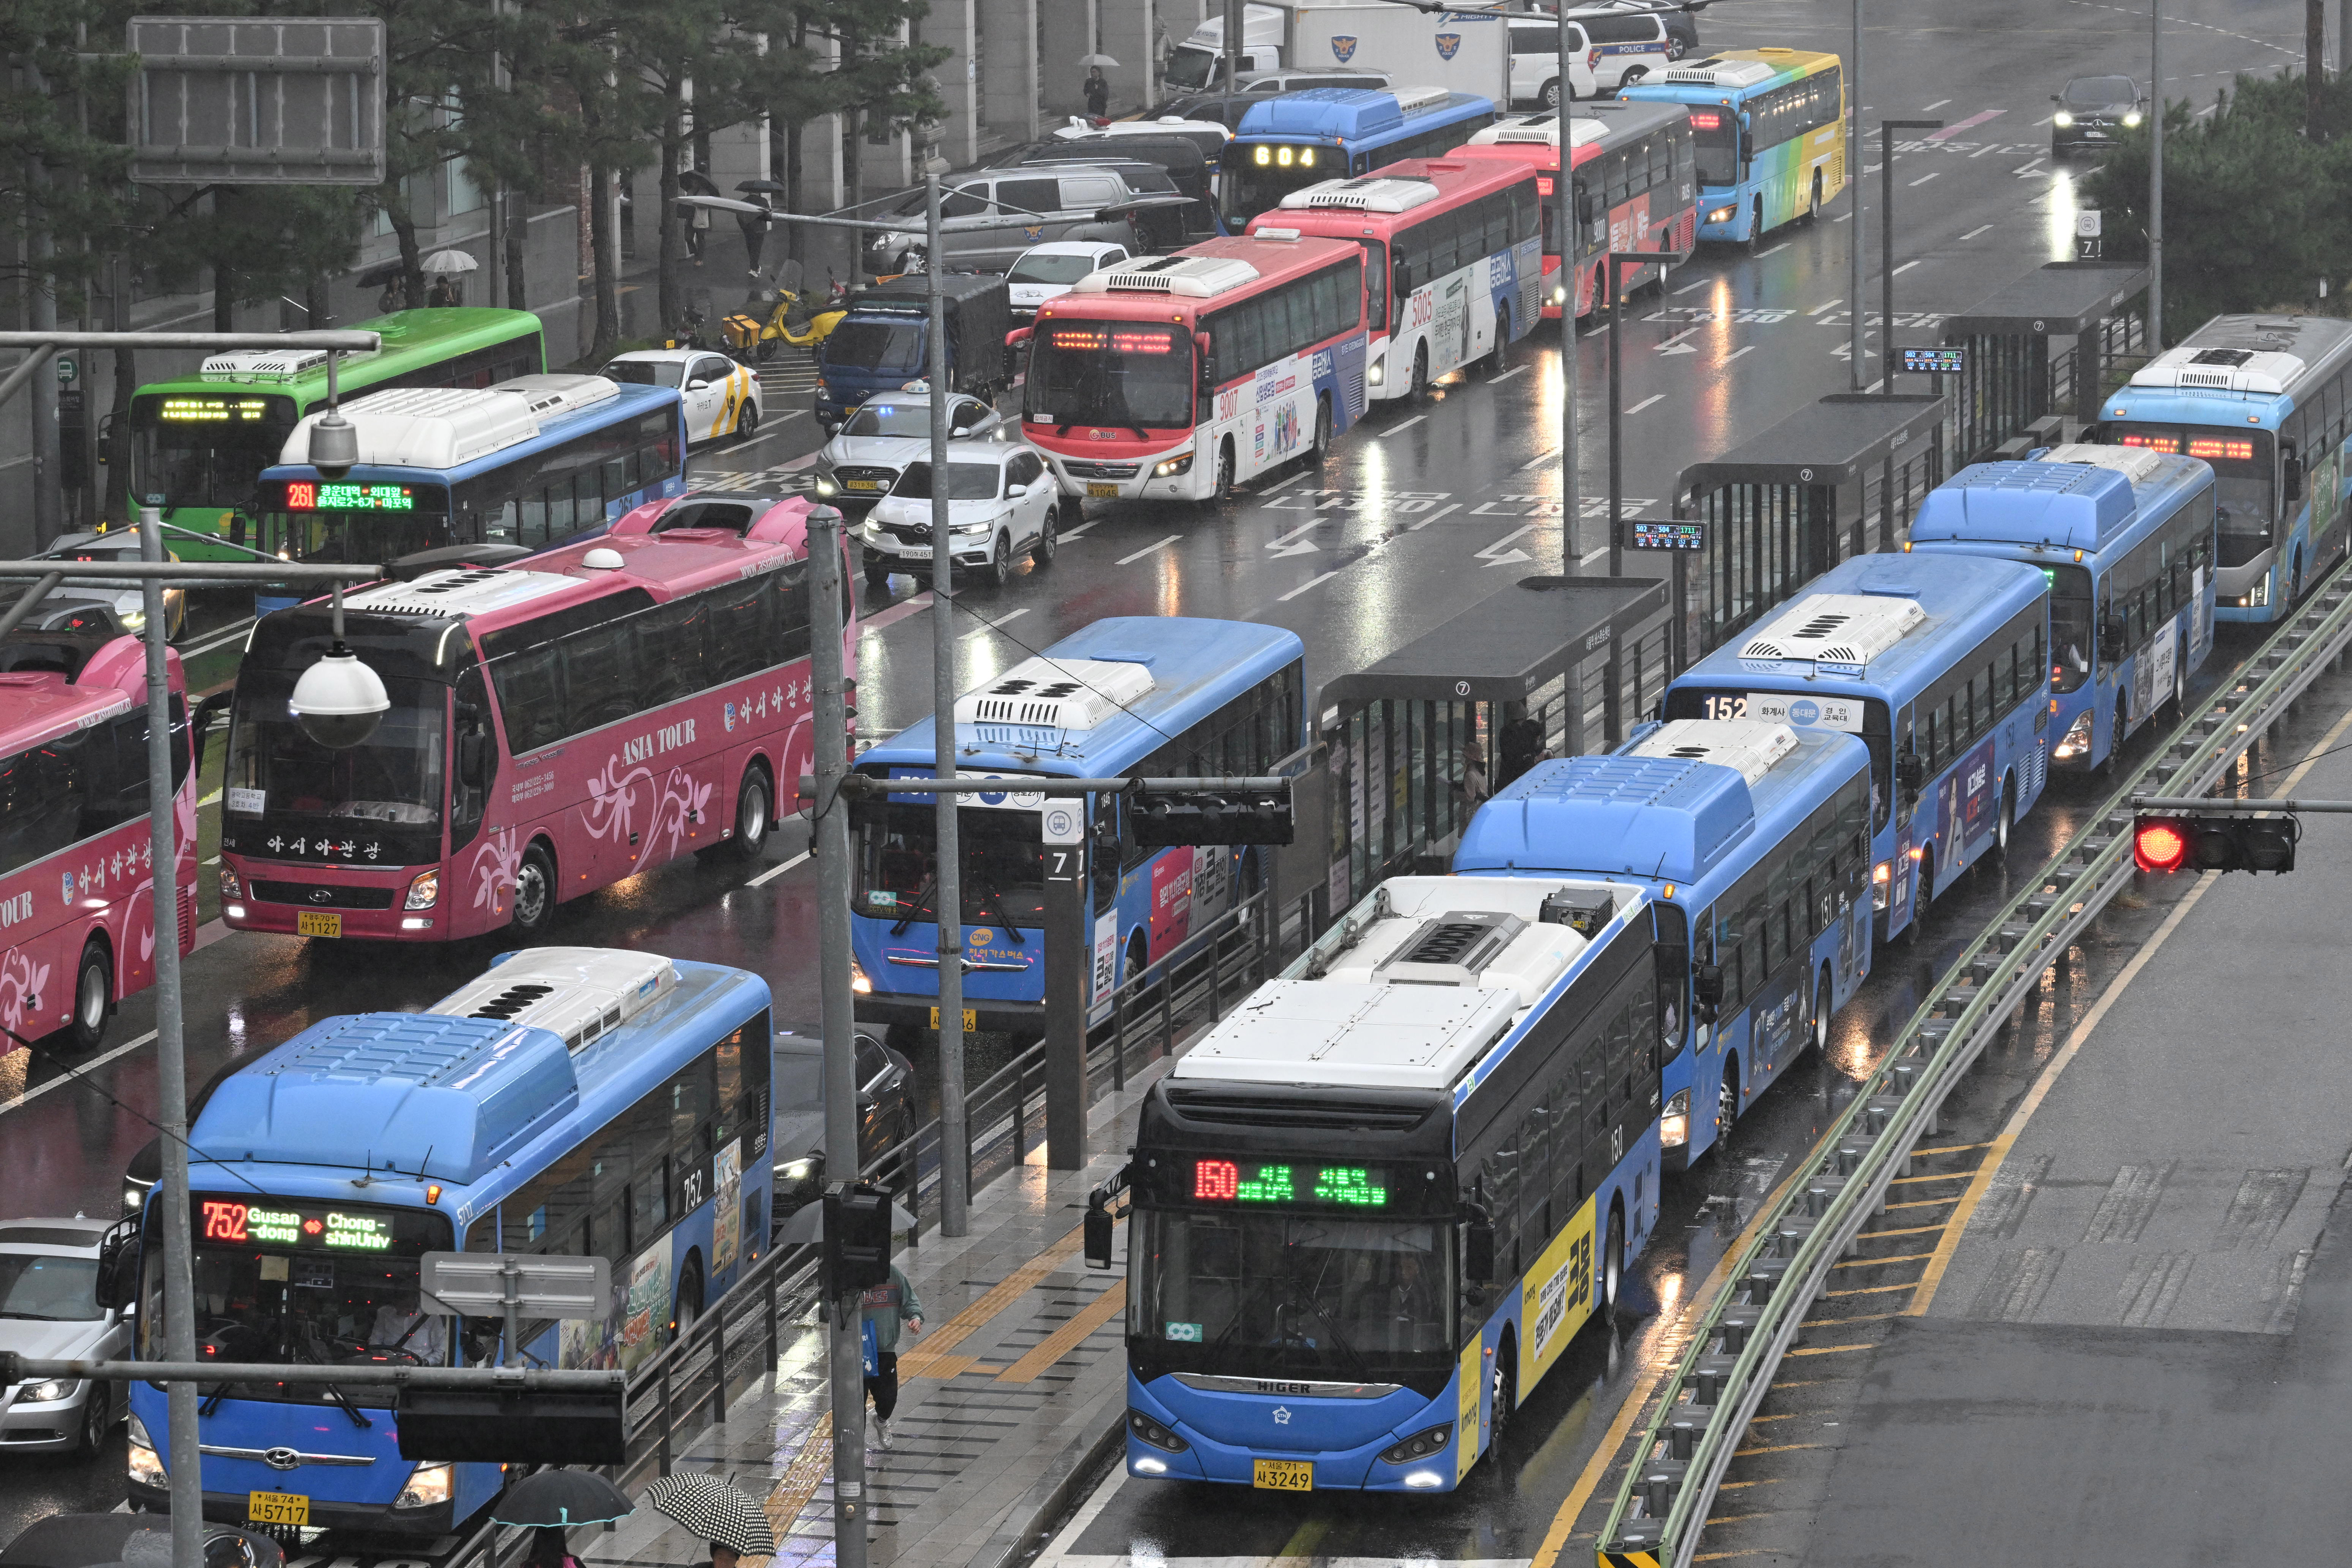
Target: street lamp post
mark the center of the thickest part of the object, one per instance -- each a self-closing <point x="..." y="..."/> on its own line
<point x="1886" y="129"/>
<point x="1571" y="226"/>
<point x="1855" y="353"/>
<point x="947" y="892"/>
<point x="1663" y="258"/>
<point x="2156" y="175"/>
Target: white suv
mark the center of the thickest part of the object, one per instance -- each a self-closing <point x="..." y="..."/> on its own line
<point x="1001" y="500"/>
<point x="1616" y="48"/>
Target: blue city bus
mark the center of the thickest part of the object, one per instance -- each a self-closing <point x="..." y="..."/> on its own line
<point x="1374" y="1207"/>
<point x="577" y="1101"/>
<point x="1941" y="663"/>
<point x="515" y="467"/>
<point x="1303" y="138"/>
<point x="1754" y="838"/>
<point x="2262" y="399"/>
<point x="1769" y="129"/>
<point x="1158" y="697"/>
<point x="2124" y="537"/>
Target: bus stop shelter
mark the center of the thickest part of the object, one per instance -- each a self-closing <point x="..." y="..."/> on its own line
<point x="2044" y="345"/>
<point x="1841" y="477"/>
<point x="1548" y="667"/>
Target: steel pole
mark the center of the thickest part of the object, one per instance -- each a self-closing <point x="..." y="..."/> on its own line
<point x="1236" y="25"/>
<point x="1616" y="426"/>
<point x="1886" y="129"/>
<point x="948" y="898"/>
<point x="832" y="852"/>
<point x="186" y="1473"/>
<point x="2156" y="176"/>
<point x="1854" y="240"/>
<point x="1564" y="193"/>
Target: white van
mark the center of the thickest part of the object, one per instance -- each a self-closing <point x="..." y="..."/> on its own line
<point x="1612" y="49"/>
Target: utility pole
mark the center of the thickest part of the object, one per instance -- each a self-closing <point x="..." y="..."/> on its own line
<point x="1234" y="18"/>
<point x="2315" y="65"/>
<point x="1570" y="231"/>
<point x="846" y="1354"/>
<point x="2156" y="176"/>
<point x="41" y="315"/>
<point x="1886" y="129"/>
<point x="1854" y="238"/>
<point x="1617" y="260"/>
<point x="948" y="889"/>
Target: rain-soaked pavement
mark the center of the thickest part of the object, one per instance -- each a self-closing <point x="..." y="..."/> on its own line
<point x="1421" y="512"/>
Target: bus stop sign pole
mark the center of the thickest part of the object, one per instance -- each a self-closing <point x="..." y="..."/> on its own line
<point x="1069" y="964"/>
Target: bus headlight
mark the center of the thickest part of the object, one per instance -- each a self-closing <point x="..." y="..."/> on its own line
<point x="146" y="1467"/>
<point x="1722" y="215"/>
<point x="1169" y="468"/>
<point x="1559" y="294"/>
<point x="428" y="1485"/>
<point x="425" y="891"/>
<point x="857" y="980"/>
<point x="2077" y="739"/>
<point x="1153" y="1433"/>
<point x="231" y="887"/>
<point x="2262" y="593"/>
<point x="1420" y="1446"/>
<point x="1673" y="1125"/>
<point x="1379" y="371"/>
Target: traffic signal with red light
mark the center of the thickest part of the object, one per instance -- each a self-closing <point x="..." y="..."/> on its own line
<point x="2194" y="841"/>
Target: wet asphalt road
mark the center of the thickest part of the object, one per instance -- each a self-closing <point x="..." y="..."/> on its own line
<point x="1423" y="512"/>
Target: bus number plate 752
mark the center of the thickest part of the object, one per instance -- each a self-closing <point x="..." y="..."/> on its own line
<point x="276" y="1508"/>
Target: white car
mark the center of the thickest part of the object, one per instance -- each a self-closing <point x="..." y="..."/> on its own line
<point x="49" y="1308"/>
<point x="722" y="398"/>
<point x="127" y="600"/>
<point x="882" y="435"/>
<point x="1001" y="501"/>
<point x="1047" y="272"/>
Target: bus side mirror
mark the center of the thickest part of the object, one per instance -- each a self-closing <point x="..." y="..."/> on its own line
<point x="1585" y="207"/>
<point x="2291" y="477"/>
<point x="1707" y="988"/>
<point x="118" y="1266"/>
<point x="1100" y="1226"/>
<point x="1478" y="1251"/>
<point x="1909" y="771"/>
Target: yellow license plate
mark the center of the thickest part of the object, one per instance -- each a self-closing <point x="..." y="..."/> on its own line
<point x="863" y="483"/>
<point x="1103" y="492"/>
<point x="276" y="1508"/>
<point x="307" y="923"/>
<point x="970" y="1019"/>
<point x="1284" y="1475"/>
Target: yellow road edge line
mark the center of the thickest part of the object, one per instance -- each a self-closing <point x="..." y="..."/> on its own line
<point x="1066" y="1338"/>
<point x="1875" y="1262"/>
<point x="1857" y="1317"/>
<point x="1604" y="1457"/>
<point x="801" y="1478"/>
<point x="1780" y="1448"/>
<point x="1947" y="1176"/>
<point x="1953" y="1149"/>
<point x="1870" y="1290"/>
<point x="1830" y="1349"/>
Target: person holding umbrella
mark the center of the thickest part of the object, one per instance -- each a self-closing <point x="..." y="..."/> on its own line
<point x="1098" y="90"/>
<point x="549" y="1503"/>
<point x="731" y="1519"/>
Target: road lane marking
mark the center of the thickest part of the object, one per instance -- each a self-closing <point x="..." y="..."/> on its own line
<point x="1925" y="178"/>
<point x="1973" y="234"/>
<point x="987" y="626"/>
<point x="1082" y="528"/>
<point x="1303" y="586"/>
<point x="1146" y="549"/>
<point x="1832" y="305"/>
<point x="1775" y="250"/>
<point x="1735" y="353"/>
<point x="1980" y="152"/>
<point x="1959" y="125"/>
<point x="1935" y="106"/>
<point x="1686" y="287"/>
<point x="1906" y="266"/>
<point x="1506" y="375"/>
<point x="1655" y="397"/>
<point x="242" y="627"/>
<point x="1285" y="484"/>
<point x="1406" y="425"/>
<point x="1589" y="557"/>
<point x="2025" y="168"/>
<point x="777" y="870"/>
<point x="96" y="1061"/>
<point x="1433" y="516"/>
<point x="921" y="601"/>
<point x="1538" y="462"/>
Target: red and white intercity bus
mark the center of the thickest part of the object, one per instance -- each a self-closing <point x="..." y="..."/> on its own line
<point x="555" y="726"/>
<point x="1452" y="261"/>
<point x="1181" y="375"/>
<point x="77" y="883"/>
<point x="1632" y="163"/>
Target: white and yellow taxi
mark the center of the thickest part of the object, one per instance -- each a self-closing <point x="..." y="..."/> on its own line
<point x="722" y="398"/>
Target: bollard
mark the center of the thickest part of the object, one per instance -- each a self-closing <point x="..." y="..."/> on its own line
<point x="1820" y="1192"/>
<point x="1658" y="1480"/>
<point x="1683" y="1432"/>
<point x="1736" y="1324"/>
<point x="1764" y="1276"/>
<point x="1639" y="1537"/>
<point x="1709" y="1377"/>
<point x="1850" y="1153"/>
<point x="1790" y="1233"/>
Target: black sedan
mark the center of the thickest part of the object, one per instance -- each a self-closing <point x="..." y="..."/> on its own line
<point x="2093" y="111"/>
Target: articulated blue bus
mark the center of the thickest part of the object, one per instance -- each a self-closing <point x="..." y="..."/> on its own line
<point x="2262" y="399"/>
<point x="2124" y="537"/>
<point x="1941" y="663"/>
<point x="1303" y="138"/>
<point x="1374" y="1207"/>
<point x="1755" y="839"/>
<point x="577" y="1101"/>
<point x="529" y="463"/>
<point x="1161" y="696"/>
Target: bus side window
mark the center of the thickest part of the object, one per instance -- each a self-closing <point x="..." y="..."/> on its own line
<point x="1535" y="1176"/>
<point x="474" y="759"/>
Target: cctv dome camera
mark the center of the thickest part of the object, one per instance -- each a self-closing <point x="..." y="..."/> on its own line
<point x="340" y="701"/>
<point x="335" y="445"/>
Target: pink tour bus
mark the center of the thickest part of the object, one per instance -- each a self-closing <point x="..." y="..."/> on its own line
<point x="77" y="883"/>
<point x="556" y="725"/>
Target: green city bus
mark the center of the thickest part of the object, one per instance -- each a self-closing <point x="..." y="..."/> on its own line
<point x="201" y="442"/>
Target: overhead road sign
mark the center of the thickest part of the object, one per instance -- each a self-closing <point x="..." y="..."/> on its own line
<point x="258" y="101"/>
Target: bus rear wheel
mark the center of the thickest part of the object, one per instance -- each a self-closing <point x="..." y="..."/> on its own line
<point x="1756" y="228"/>
<point x="534" y="893"/>
<point x="2006" y="823"/>
<point x="1319" y="455"/>
<point x="1612" y="1285"/>
<point x="1499" y="364"/>
<point x="1504" y="1387"/>
<point x="754" y="814"/>
<point x="93" y="994"/>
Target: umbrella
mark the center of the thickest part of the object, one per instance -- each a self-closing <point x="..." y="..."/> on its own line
<point x="711" y="1510"/>
<point x="86" y="1540"/>
<point x="806" y="1225"/>
<point x="773" y="187"/>
<point x="560" y="1497"/>
<point x="1103" y="60"/>
<point x="448" y="261"/>
<point x="381" y="273"/>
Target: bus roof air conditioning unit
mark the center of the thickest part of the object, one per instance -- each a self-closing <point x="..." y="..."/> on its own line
<point x="1723" y="73"/>
<point x="1419" y="99"/>
<point x="1193" y="276"/>
<point x="1451" y="949"/>
<point x="578" y="993"/>
<point x="1391" y="193"/>
<point x="1059" y="694"/>
<point x="459" y="591"/>
<point x="552" y="396"/>
<point x="1840" y="634"/>
<point x="1751" y="746"/>
<point x="265" y="364"/>
<point x="2136" y="464"/>
<point x="2221" y="369"/>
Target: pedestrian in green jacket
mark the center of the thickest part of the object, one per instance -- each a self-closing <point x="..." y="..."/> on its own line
<point x="886" y="1306"/>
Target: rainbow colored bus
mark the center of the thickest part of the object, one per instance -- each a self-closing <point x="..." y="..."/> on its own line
<point x="1769" y="126"/>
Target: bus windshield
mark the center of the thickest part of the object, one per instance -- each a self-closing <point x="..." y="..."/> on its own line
<point x="1293" y="1294"/>
<point x="1715" y="133"/>
<point x="393" y="778"/>
<point x="286" y="1294"/>
<point x="1113" y="373"/>
<point x="2246" y="501"/>
<point x="1003" y="865"/>
<point x="207" y="451"/>
<point x="1256" y="177"/>
<point x="382" y="521"/>
<point x="2070" y="628"/>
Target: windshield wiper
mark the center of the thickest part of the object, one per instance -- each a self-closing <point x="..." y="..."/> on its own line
<point x="989" y="900"/>
<point x="37" y="1317"/>
<point x="350" y="1409"/>
<point x="927" y="885"/>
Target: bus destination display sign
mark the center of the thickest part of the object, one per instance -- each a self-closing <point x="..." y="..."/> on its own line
<point x="1251" y="1182"/>
<point x="212" y="410"/>
<point x="303" y="495"/>
<point x="260" y="1225"/>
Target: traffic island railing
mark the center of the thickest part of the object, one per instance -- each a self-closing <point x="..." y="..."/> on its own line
<point x="1661" y="1506"/>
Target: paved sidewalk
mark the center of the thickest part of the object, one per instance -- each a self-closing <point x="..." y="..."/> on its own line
<point x="1018" y="1384"/>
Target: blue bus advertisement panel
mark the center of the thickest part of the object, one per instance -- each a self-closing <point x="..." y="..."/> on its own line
<point x="574" y="1101"/>
<point x="2125" y="537"/>
<point x="1754" y="839"/>
<point x="1157" y="697"/>
<point x="1374" y="1207"/>
<point x="1941" y="664"/>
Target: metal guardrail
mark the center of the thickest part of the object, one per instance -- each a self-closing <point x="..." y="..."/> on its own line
<point x="1735" y="1351"/>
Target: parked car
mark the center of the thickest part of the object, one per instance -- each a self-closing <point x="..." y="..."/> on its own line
<point x="1047" y="272"/>
<point x="49" y="1308"/>
<point x="1001" y="501"/>
<point x="882" y="435"/>
<point x="2091" y="112"/>
<point x="127" y="602"/>
<point x="722" y="398"/>
<point x="1188" y="170"/>
<point x="885" y="1112"/>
